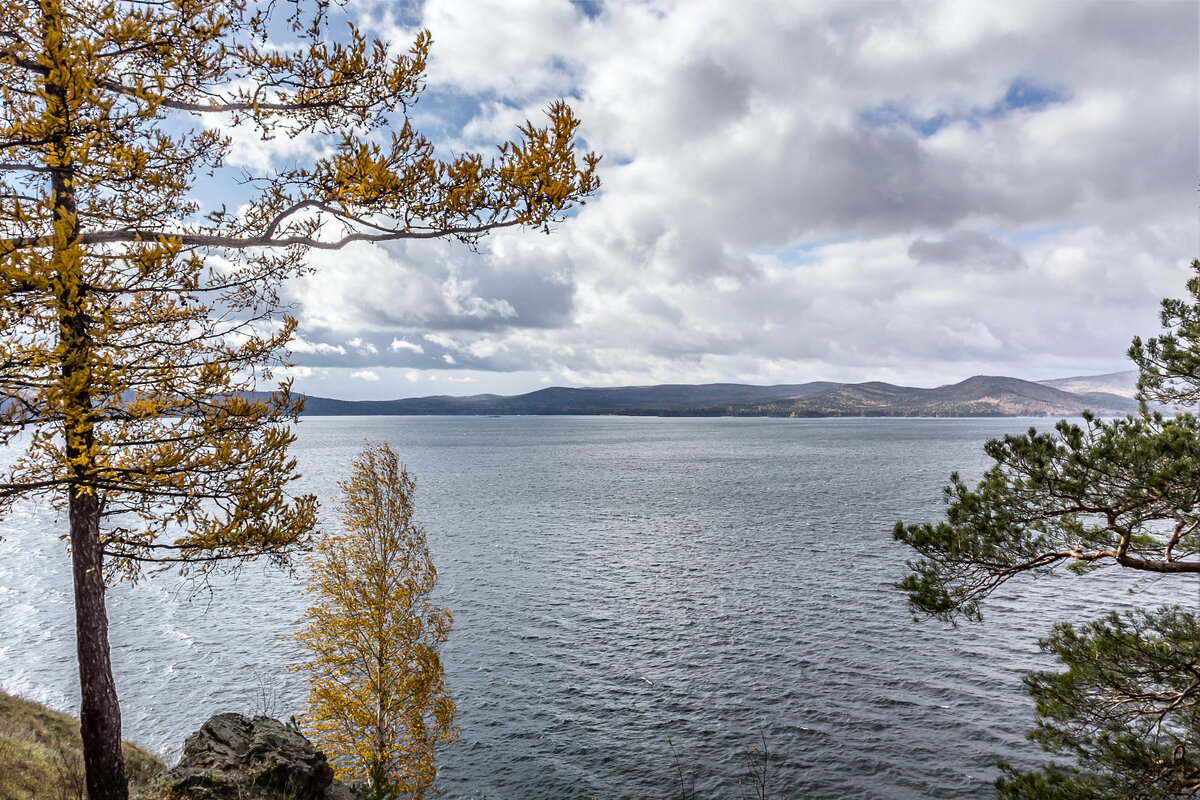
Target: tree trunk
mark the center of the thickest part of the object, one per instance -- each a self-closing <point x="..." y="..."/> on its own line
<point x="99" y="714"/>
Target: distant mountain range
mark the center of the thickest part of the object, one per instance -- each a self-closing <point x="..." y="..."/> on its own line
<point x="1119" y="383"/>
<point x="981" y="396"/>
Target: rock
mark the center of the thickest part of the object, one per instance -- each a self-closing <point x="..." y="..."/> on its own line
<point x="234" y="757"/>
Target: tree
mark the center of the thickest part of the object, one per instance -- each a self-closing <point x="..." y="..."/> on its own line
<point x="134" y="328"/>
<point x="377" y="701"/>
<point x="1125" y="708"/>
<point x="1122" y="493"/>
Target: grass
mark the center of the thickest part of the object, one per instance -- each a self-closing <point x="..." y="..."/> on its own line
<point x="41" y="754"/>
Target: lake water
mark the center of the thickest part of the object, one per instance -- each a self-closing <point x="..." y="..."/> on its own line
<point x="614" y="582"/>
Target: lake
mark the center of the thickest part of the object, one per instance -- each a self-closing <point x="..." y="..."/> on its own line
<point x="615" y="582"/>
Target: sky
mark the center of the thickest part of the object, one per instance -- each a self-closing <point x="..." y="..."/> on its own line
<point x="791" y="191"/>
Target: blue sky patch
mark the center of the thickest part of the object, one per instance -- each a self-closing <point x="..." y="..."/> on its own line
<point x="1026" y="94"/>
<point x="589" y="8"/>
<point x="1021" y="94"/>
<point x="795" y="255"/>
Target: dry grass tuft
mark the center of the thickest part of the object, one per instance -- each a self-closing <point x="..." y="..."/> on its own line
<point x="41" y="754"/>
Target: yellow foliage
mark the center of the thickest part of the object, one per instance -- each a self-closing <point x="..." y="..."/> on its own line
<point x="124" y="344"/>
<point x="135" y="330"/>
<point x="377" y="701"/>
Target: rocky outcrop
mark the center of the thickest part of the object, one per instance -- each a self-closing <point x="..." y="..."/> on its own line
<point x="234" y="757"/>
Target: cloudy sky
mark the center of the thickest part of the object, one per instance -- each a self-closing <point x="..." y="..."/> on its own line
<point x="792" y="191"/>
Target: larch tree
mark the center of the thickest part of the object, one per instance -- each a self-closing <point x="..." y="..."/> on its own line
<point x="1123" y="493"/>
<point x="377" y="701"/>
<point x="134" y="328"/>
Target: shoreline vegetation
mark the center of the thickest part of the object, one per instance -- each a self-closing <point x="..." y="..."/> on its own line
<point x="41" y="754"/>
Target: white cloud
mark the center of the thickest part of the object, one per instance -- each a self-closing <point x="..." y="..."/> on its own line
<point x="797" y="191"/>
<point x="500" y="45"/>
<point x="363" y="347"/>
<point x="297" y="373"/>
<point x="400" y="345"/>
<point x="300" y="345"/>
<point x="486" y="348"/>
<point x="442" y="340"/>
<point x="365" y="375"/>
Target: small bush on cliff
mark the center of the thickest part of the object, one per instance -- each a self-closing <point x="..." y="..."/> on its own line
<point x="377" y="701"/>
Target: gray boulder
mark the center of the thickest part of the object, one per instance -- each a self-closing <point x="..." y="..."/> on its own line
<point x="234" y="757"/>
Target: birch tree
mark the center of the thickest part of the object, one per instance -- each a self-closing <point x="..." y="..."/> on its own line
<point x="377" y="701"/>
<point x="135" y="324"/>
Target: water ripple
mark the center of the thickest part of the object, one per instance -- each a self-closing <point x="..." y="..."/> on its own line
<point x="615" y="582"/>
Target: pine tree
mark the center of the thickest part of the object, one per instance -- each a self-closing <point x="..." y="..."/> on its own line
<point x="134" y="330"/>
<point x="377" y="701"/>
<point x="1122" y="493"/>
